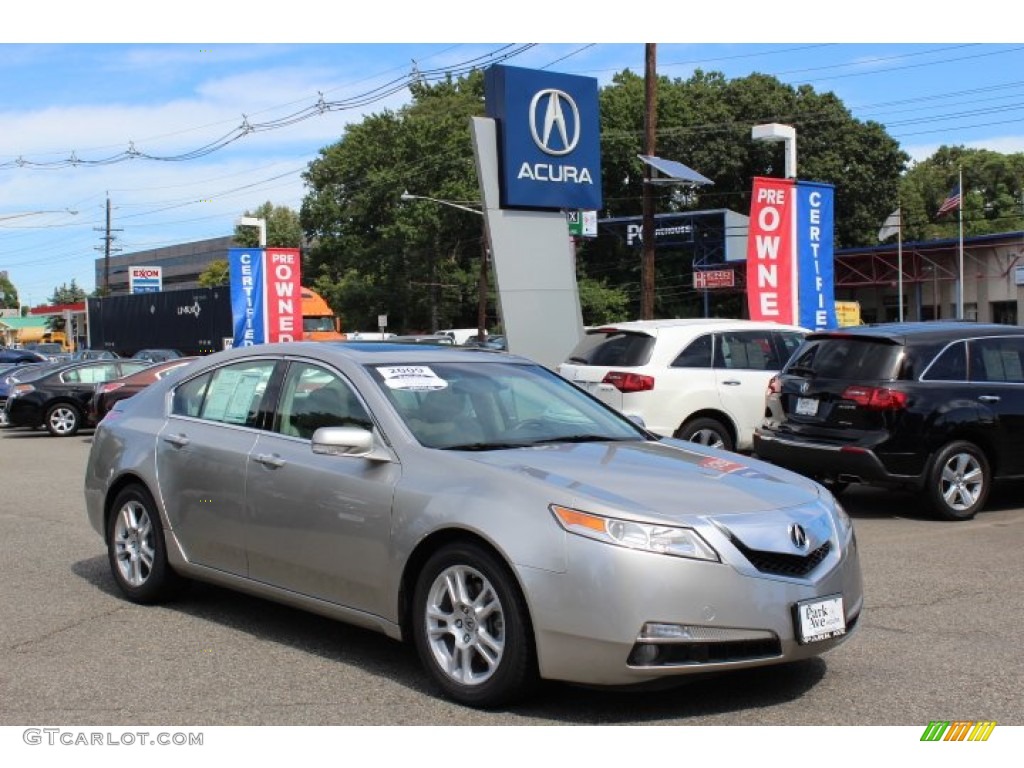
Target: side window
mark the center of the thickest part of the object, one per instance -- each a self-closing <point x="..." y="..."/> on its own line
<point x="997" y="360"/>
<point x="313" y="397"/>
<point x="749" y="350"/>
<point x="950" y="365"/>
<point x="229" y="395"/>
<point x="696" y="355"/>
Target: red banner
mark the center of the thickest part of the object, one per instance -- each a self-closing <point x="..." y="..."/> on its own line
<point x="284" y="294"/>
<point x="771" y="259"/>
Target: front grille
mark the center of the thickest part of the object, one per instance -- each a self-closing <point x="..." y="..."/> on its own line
<point x="781" y="563"/>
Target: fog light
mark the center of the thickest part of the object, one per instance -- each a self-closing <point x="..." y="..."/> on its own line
<point x="644" y="655"/>
<point x="655" y="631"/>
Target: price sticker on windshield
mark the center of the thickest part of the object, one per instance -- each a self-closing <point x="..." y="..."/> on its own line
<point x="420" y="378"/>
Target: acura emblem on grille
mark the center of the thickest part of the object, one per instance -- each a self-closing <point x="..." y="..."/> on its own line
<point x="804" y="387"/>
<point x="798" y="535"/>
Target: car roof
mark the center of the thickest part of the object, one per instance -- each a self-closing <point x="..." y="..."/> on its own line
<point x="690" y="324"/>
<point x="372" y="352"/>
<point x="924" y="332"/>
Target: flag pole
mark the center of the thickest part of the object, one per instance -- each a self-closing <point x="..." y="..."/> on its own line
<point x="899" y="258"/>
<point x="960" y="212"/>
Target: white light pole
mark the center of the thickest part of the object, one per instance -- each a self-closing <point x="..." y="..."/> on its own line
<point x="252" y="221"/>
<point x="5" y="217"/>
<point x="783" y="133"/>
<point x="481" y="329"/>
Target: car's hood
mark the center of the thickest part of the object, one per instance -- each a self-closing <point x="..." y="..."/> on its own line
<point x="666" y="479"/>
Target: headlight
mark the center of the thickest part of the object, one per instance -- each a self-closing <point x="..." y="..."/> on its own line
<point x="648" y="537"/>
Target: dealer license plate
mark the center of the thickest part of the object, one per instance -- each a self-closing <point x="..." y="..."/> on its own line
<point x="820" y="619"/>
<point x="806" y="406"/>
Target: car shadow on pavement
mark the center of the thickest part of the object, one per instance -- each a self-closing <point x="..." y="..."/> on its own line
<point x="864" y="502"/>
<point x="372" y="653"/>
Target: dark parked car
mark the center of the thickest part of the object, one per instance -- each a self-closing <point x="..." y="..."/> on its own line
<point x="56" y="397"/>
<point x="157" y="355"/>
<point x="116" y="390"/>
<point x="11" y="376"/>
<point x="21" y="356"/>
<point x="935" y="408"/>
<point x="94" y="354"/>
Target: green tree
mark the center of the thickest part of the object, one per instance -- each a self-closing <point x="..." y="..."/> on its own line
<point x="217" y="273"/>
<point x="283" y="228"/>
<point x="8" y="293"/>
<point x="992" y="195"/>
<point x="414" y="260"/>
<point x="67" y="294"/>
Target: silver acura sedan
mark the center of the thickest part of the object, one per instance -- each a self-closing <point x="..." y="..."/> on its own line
<point x="511" y="525"/>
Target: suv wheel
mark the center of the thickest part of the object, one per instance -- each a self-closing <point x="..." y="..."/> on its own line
<point x="706" y="431"/>
<point x="959" y="481"/>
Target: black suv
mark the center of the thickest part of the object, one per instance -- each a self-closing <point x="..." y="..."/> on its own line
<point x="936" y="407"/>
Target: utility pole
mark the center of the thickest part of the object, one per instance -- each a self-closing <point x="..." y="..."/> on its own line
<point x="650" y="132"/>
<point x="108" y="238"/>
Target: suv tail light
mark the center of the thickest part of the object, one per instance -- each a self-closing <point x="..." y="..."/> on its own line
<point x="876" y="398"/>
<point x="629" y="382"/>
<point x="774" y="385"/>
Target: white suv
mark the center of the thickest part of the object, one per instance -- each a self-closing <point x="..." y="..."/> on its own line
<point x="696" y="379"/>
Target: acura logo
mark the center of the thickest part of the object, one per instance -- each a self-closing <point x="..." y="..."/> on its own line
<point x="804" y="387"/>
<point x="798" y="535"/>
<point x="548" y="125"/>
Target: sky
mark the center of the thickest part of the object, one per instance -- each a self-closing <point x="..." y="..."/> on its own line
<point x="81" y="88"/>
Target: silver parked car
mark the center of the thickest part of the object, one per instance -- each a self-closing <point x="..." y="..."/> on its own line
<point x="509" y="524"/>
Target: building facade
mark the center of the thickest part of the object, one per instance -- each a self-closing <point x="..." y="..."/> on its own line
<point x="181" y="264"/>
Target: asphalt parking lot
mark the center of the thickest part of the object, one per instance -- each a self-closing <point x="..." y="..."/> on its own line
<point x="939" y="638"/>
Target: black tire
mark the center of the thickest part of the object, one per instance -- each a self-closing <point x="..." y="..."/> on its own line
<point x="63" y="420"/>
<point x="706" y="431"/>
<point x="493" y="648"/>
<point x="959" y="481"/>
<point x="136" y="549"/>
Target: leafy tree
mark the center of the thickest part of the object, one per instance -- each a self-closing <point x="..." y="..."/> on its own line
<point x="992" y="195"/>
<point x="8" y="293"/>
<point x="283" y="228"/>
<point x="67" y="294"/>
<point x="217" y="273"/>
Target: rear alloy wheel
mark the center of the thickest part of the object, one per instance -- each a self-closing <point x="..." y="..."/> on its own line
<point x="706" y="431"/>
<point x="63" y="420"/>
<point x="959" y="481"/>
<point x="136" y="549"/>
<point x="471" y="627"/>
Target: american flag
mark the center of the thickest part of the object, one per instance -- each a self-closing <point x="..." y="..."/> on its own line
<point x="950" y="203"/>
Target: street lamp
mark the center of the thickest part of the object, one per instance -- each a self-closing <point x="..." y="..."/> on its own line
<point x="252" y="221"/>
<point x="783" y="133"/>
<point x="481" y="314"/>
<point x="36" y="213"/>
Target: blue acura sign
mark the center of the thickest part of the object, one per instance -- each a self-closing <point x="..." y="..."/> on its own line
<point x="549" y="140"/>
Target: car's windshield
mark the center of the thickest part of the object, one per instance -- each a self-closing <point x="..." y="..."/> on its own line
<point x="484" y="406"/>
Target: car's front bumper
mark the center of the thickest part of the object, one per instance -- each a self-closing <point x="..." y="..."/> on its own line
<point x="587" y="620"/>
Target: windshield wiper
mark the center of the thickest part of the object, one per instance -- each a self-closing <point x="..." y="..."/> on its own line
<point x="483" y="446"/>
<point x="580" y="439"/>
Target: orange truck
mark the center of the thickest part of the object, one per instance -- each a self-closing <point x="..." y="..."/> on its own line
<point x="318" y="320"/>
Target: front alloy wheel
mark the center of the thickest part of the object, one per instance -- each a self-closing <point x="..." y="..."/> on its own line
<point x="471" y="627"/>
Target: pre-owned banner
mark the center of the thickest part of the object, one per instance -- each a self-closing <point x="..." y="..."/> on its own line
<point x="266" y="295"/>
<point x="771" y="268"/>
<point x="790" y="275"/>
<point x="814" y="236"/>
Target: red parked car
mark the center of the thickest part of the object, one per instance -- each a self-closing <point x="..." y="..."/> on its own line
<point x="110" y="392"/>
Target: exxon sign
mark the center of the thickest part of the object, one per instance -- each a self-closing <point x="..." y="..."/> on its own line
<point x="549" y="138"/>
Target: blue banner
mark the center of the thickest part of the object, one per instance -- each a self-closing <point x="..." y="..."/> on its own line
<point x="815" y="218"/>
<point x="248" y="307"/>
<point x="549" y="138"/>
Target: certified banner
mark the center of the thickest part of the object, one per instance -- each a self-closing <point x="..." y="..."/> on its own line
<point x="247" y="296"/>
<point x="771" y="267"/>
<point x="816" y="280"/>
<point x="266" y="295"/>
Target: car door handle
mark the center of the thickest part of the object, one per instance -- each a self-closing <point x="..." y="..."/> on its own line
<point x="989" y="398"/>
<point x="179" y="441"/>
<point x="731" y="383"/>
<point x="273" y="461"/>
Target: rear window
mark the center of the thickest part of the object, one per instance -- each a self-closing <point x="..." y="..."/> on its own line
<point x="613" y="347"/>
<point x="847" y="358"/>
